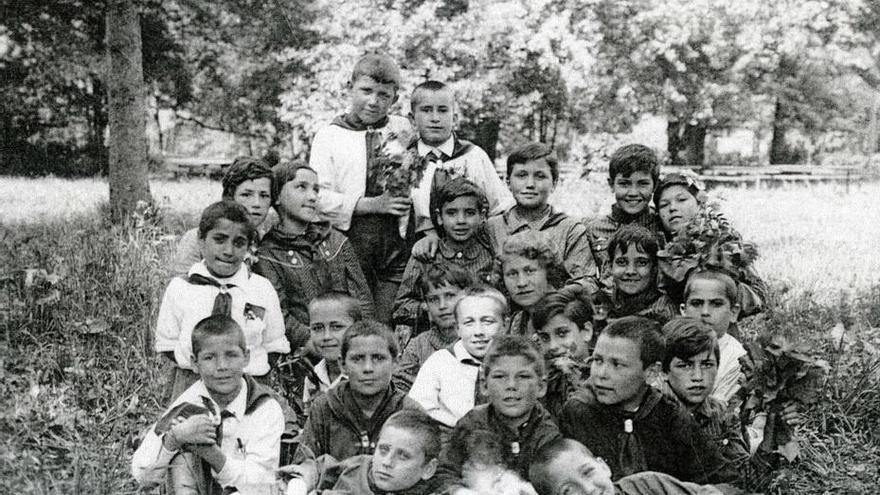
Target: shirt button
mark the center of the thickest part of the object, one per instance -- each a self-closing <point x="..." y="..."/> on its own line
<point x="458" y="255"/>
<point x="293" y="260"/>
<point x="290" y="253"/>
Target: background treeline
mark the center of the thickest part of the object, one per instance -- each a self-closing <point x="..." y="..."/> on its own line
<point x="801" y="75"/>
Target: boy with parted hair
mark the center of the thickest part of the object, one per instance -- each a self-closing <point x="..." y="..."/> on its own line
<point x="566" y="467"/>
<point x="633" y="174"/>
<point x="532" y="175"/>
<point x="631" y="425"/>
<point x="224" y="432"/>
<point x="343" y="154"/>
<point x="442" y="286"/>
<point x="434" y="115"/>
<point x="514" y="380"/>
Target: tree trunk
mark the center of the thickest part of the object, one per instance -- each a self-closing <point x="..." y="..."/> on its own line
<point x="129" y="184"/>
<point x="778" y="149"/>
<point x="695" y="144"/>
<point x="673" y="140"/>
<point x="486" y="137"/>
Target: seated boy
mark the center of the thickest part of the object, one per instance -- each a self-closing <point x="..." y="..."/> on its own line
<point x="434" y="115"/>
<point x="330" y="315"/>
<point x="530" y="269"/>
<point x="631" y="425"/>
<point x="458" y="211"/>
<point x="564" y="327"/>
<point x="248" y="182"/>
<point x="690" y="365"/>
<point x="446" y="385"/>
<point x="532" y="174"/>
<point x="347" y="419"/>
<point x="220" y="284"/>
<point x="513" y="381"/>
<point x="633" y="173"/>
<point x="632" y="253"/>
<point x="223" y="432"/>
<point x="303" y="257"/>
<point x="342" y="153"/>
<point x="443" y="285"/>
<point x="711" y="296"/>
<point x="566" y="467"/>
<point x="404" y="461"/>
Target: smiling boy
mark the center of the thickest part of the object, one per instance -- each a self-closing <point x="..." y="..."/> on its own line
<point x="633" y="174"/>
<point x="630" y="424"/>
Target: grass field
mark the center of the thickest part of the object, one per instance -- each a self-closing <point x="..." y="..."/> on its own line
<point x="79" y="381"/>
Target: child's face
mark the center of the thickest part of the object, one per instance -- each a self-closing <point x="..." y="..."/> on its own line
<point x="561" y="337"/>
<point x="441" y="302"/>
<point x="224" y="247"/>
<point x="298" y="198"/>
<point x="513" y="387"/>
<point x="692" y="379"/>
<point x="399" y="460"/>
<point x="708" y="301"/>
<point x="328" y="322"/>
<point x="632" y="271"/>
<point x="479" y="320"/>
<point x="617" y="373"/>
<point x="434" y="116"/>
<point x="369" y="365"/>
<point x="256" y="196"/>
<point x="370" y="99"/>
<point x="525" y="280"/>
<point x="460" y="218"/>
<point x="580" y="474"/>
<point x="531" y="184"/>
<point x="632" y="192"/>
<point x="220" y="363"/>
<point x="677" y="207"/>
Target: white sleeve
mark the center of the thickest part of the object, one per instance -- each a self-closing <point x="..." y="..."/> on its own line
<point x="274" y="338"/>
<point x="258" y="459"/>
<point x="483" y="173"/>
<point x="150" y="461"/>
<point x="169" y="320"/>
<point x="338" y="197"/>
<point x="425" y="389"/>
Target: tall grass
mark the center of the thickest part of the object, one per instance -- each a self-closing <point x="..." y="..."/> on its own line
<point x="79" y="380"/>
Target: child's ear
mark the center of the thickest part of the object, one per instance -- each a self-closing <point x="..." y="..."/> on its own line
<point x="734" y="313"/>
<point x="247" y="356"/>
<point x="195" y="364"/>
<point x="543" y="390"/>
<point x="653" y="372"/>
<point x="611" y="183"/>
<point x="681" y="308"/>
<point x="429" y="468"/>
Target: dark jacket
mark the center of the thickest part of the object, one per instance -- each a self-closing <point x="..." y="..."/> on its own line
<point x="336" y="426"/>
<point x="660" y="436"/>
<point x="353" y="476"/>
<point x="517" y="448"/>
<point x="302" y="267"/>
<point x="600" y="230"/>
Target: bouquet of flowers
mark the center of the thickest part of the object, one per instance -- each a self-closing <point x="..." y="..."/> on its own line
<point x="396" y="167"/>
<point x="708" y="240"/>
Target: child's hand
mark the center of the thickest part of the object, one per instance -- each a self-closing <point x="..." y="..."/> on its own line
<point x="564" y="364"/>
<point x="791" y="414"/>
<point x="426" y="248"/>
<point x="198" y="429"/>
<point x="385" y="204"/>
<point x="306" y="473"/>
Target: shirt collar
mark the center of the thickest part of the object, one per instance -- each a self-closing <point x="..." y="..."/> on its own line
<point x="238" y="404"/>
<point x="446" y="148"/>
<point x="516" y="222"/>
<point x="468" y="250"/>
<point x="239" y="279"/>
<point x="462" y="355"/>
<point x="324" y="375"/>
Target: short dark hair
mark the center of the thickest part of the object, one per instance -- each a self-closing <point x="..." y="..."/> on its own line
<point x="557" y="303"/>
<point x="450" y="191"/>
<point x="438" y="274"/>
<point x="430" y="86"/>
<point x="244" y="168"/>
<point x="420" y="424"/>
<point x="369" y="328"/>
<point x="634" y="158"/>
<point x="540" y="474"/>
<point x="686" y="337"/>
<point x="534" y="246"/>
<point x="284" y="173"/>
<point x="378" y="66"/>
<point x="534" y="151"/>
<point x="216" y="326"/>
<point x="229" y="210"/>
<point x="643" y="331"/>
<point x="634" y="235"/>
<point x="513" y="346"/>
<point x="350" y="306"/>
<point x="731" y="290"/>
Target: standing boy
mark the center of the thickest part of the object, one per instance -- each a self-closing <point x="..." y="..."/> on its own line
<point x="443" y="285"/>
<point x="628" y="423"/>
<point x="344" y="153"/>
<point x="514" y="381"/>
<point x="224" y="432"/>
<point x="633" y="173"/>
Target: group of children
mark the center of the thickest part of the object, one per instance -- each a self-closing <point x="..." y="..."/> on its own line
<point x="497" y="346"/>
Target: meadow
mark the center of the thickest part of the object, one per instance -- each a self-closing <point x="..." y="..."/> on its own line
<point x="78" y="297"/>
